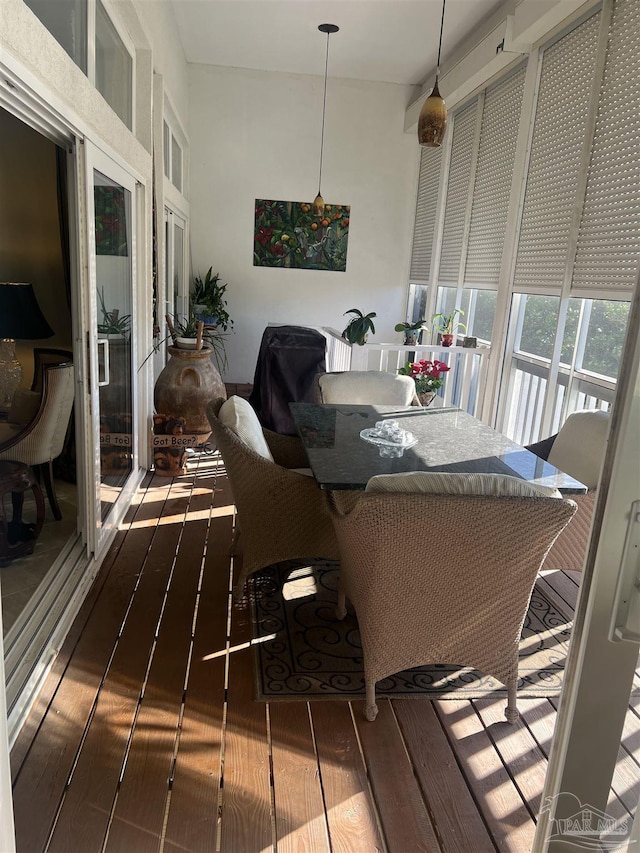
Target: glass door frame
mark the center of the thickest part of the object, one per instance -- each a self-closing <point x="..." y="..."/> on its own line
<point x="604" y="644"/>
<point x="100" y="532"/>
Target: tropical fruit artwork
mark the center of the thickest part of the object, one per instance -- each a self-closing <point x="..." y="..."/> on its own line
<point x="289" y="234"/>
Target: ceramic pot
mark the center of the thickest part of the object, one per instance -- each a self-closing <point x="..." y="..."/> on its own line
<point x="187" y="383"/>
<point x="447" y="340"/>
<point x="427" y="398"/>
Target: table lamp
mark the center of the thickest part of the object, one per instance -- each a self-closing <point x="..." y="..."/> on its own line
<point x="20" y="319"/>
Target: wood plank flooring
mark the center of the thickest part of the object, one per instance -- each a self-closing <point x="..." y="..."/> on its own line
<point x="147" y="736"/>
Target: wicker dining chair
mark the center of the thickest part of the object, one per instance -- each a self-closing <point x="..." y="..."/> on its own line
<point x="283" y="514"/>
<point x="365" y="387"/>
<point x="578" y="450"/>
<point x="440" y="569"/>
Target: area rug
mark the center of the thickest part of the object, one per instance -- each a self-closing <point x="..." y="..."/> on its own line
<point x="303" y="652"/>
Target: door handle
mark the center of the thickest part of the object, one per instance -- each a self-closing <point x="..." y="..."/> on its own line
<point x="104" y="343"/>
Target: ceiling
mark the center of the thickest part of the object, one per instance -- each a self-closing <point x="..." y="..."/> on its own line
<point x="394" y="41"/>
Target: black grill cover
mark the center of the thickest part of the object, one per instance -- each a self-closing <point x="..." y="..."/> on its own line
<point x="289" y="358"/>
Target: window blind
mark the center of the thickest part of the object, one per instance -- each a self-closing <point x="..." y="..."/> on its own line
<point x="608" y="250"/>
<point x="426" y="209"/>
<point x="464" y="126"/>
<point x="565" y="87"/>
<point x="492" y="189"/>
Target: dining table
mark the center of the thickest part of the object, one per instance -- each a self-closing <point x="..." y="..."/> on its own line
<point x="348" y="444"/>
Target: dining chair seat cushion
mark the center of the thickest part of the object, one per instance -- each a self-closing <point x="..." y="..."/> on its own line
<point x="579" y="447"/>
<point x="367" y="387"/>
<point x="238" y="416"/>
<point x="24" y="406"/>
<point x="426" y="482"/>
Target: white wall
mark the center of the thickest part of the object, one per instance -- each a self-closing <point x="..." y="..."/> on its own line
<point x="257" y="135"/>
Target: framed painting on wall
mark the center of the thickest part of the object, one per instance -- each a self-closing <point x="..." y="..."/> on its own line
<point x="288" y="234"/>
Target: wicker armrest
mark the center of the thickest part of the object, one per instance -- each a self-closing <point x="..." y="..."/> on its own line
<point x="287" y="450"/>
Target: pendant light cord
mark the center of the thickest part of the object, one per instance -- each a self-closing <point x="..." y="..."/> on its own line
<point x="440" y="42"/>
<point x="324" y="104"/>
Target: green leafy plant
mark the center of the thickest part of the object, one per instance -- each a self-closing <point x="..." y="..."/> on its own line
<point x="187" y="327"/>
<point x="358" y="328"/>
<point x="209" y="295"/>
<point x="448" y="324"/>
<point x="411" y="330"/>
<point x="112" y="323"/>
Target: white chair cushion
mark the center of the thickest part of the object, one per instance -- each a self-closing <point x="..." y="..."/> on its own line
<point x="367" y="387"/>
<point x="427" y="482"/>
<point x="579" y="447"/>
<point x="238" y="416"/>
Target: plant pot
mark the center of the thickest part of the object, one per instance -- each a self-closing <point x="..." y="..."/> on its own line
<point x="410" y="340"/>
<point x="185" y="386"/>
<point x="427" y="398"/>
<point x="210" y="320"/>
<point x="447" y="340"/>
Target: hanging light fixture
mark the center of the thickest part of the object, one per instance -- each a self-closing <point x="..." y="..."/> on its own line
<point x="433" y="115"/>
<point x="318" y="204"/>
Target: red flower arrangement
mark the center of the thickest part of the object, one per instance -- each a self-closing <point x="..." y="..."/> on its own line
<point x="428" y="375"/>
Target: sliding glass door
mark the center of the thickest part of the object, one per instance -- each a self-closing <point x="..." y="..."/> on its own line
<point x="112" y="253"/>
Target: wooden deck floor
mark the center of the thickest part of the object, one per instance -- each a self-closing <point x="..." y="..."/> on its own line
<point x="147" y="738"/>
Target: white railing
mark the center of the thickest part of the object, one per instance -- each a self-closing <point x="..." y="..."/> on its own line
<point x="464" y="383"/>
<point x="527" y="390"/>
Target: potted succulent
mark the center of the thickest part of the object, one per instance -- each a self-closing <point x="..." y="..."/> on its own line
<point x="447" y="325"/>
<point x="208" y="301"/>
<point x="411" y="331"/>
<point x="113" y="325"/>
<point x="358" y="328"/>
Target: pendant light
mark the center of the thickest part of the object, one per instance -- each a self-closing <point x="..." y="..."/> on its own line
<point x="318" y="204"/>
<point x="433" y="115"/>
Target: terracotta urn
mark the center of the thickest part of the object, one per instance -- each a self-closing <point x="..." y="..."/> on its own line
<point x="187" y="383"/>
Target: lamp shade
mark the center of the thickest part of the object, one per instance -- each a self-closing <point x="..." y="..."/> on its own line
<point x="20" y="314"/>
<point x="432" y="122"/>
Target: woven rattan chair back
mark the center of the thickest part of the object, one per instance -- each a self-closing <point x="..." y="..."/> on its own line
<point x="444" y="579"/>
<point x="283" y="514"/>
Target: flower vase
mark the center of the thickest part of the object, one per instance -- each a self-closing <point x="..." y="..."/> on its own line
<point x="426" y="398"/>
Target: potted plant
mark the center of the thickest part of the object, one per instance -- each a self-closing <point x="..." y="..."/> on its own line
<point x="184" y="334"/>
<point x="113" y="325"/>
<point x="428" y="377"/>
<point x="209" y="304"/>
<point x="447" y="325"/>
<point x="411" y="331"/>
<point x="358" y="328"/>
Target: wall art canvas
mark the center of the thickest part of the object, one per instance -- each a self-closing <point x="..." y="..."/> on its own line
<point x="111" y="221"/>
<point x="287" y="234"/>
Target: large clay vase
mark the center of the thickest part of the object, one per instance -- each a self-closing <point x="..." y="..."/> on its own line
<point x="187" y="383"/>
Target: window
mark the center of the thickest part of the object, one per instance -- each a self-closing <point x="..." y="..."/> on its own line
<point x="176" y="164"/>
<point x="114" y="67"/>
<point x="537" y="216"/>
<point x="76" y="24"/>
<point x="172" y="151"/>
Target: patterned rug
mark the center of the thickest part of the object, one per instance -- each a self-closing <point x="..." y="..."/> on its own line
<point x="303" y="652"/>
